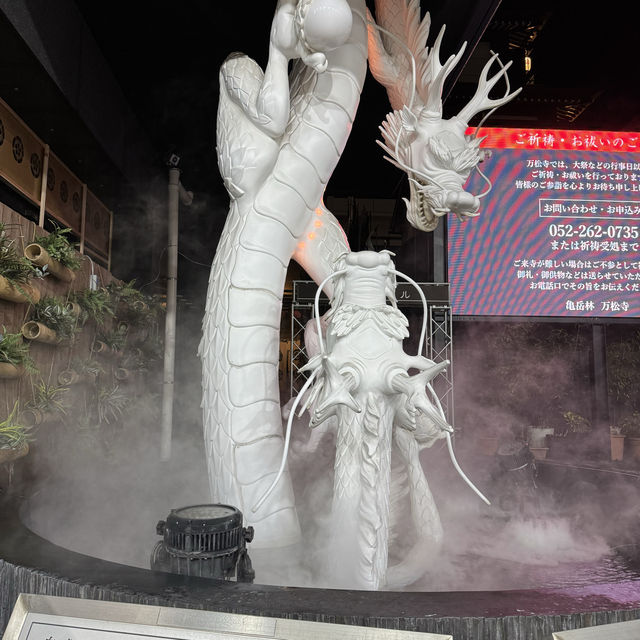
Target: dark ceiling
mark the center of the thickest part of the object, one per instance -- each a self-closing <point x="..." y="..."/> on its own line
<point x="166" y="57"/>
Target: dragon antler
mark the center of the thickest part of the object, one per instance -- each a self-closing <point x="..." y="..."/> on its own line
<point x="435" y="74"/>
<point x="481" y="101"/>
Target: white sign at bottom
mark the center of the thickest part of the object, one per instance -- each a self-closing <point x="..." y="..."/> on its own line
<point x="616" y="631"/>
<point x="54" y="618"/>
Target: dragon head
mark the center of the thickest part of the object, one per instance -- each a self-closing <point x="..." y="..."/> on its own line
<point x="437" y="154"/>
<point x="438" y="158"/>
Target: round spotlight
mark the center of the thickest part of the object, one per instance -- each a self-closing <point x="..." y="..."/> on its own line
<point x="207" y="541"/>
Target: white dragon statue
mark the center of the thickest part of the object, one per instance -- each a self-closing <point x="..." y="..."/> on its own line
<point x="280" y="133"/>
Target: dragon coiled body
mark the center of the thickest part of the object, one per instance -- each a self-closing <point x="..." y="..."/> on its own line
<point x="279" y="138"/>
<point x="276" y="185"/>
<point x="360" y="507"/>
<point x="361" y="378"/>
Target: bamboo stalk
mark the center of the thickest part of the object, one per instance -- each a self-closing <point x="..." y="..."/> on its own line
<point x="7" y="455"/>
<point x="10" y="371"/>
<point x="10" y="292"/>
<point x="37" y="331"/>
<point x="67" y="377"/>
<point x="40" y="256"/>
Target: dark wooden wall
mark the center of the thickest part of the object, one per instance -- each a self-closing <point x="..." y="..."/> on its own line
<point x="49" y="359"/>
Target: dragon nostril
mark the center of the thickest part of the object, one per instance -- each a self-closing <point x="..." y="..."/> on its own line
<point x="369" y="259"/>
<point x="461" y="201"/>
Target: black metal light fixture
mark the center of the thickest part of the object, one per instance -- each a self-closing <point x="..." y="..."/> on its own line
<point x="514" y="478"/>
<point x="207" y="541"/>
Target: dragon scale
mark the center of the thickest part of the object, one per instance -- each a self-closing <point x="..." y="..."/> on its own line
<point x="275" y="214"/>
<point x="280" y="134"/>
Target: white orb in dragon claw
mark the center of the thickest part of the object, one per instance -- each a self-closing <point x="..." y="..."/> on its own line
<point x="327" y="24"/>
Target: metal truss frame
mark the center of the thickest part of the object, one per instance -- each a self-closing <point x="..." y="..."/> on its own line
<point x="440" y="348"/>
<point x="300" y="315"/>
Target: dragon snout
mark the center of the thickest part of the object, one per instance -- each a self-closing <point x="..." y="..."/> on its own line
<point x="368" y="259"/>
<point x="462" y="203"/>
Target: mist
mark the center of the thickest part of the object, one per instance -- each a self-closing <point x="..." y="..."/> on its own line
<point x="101" y="489"/>
<point x="541" y="530"/>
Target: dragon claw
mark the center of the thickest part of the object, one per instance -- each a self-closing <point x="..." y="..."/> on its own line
<point x="334" y="391"/>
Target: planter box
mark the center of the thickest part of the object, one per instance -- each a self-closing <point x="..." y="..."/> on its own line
<point x="487" y="445"/>
<point x="539" y="453"/>
<point x="617" y="446"/>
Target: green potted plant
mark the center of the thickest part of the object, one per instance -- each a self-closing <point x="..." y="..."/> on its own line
<point x="51" y="322"/>
<point x="133" y="361"/>
<point x="124" y="293"/>
<point x="568" y="436"/>
<point x="574" y="423"/>
<point x="111" y="404"/>
<point x="80" y="371"/>
<point x="133" y="306"/>
<point x="56" y="254"/>
<point x="112" y="341"/>
<point x="97" y="423"/>
<point x="47" y="404"/>
<point x="14" y="437"/>
<point x="510" y="394"/>
<point x="14" y="355"/>
<point x="16" y="272"/>
<point x="94" y="304"/>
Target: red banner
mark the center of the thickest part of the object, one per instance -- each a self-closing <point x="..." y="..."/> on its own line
<point x="558" y="139"/>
